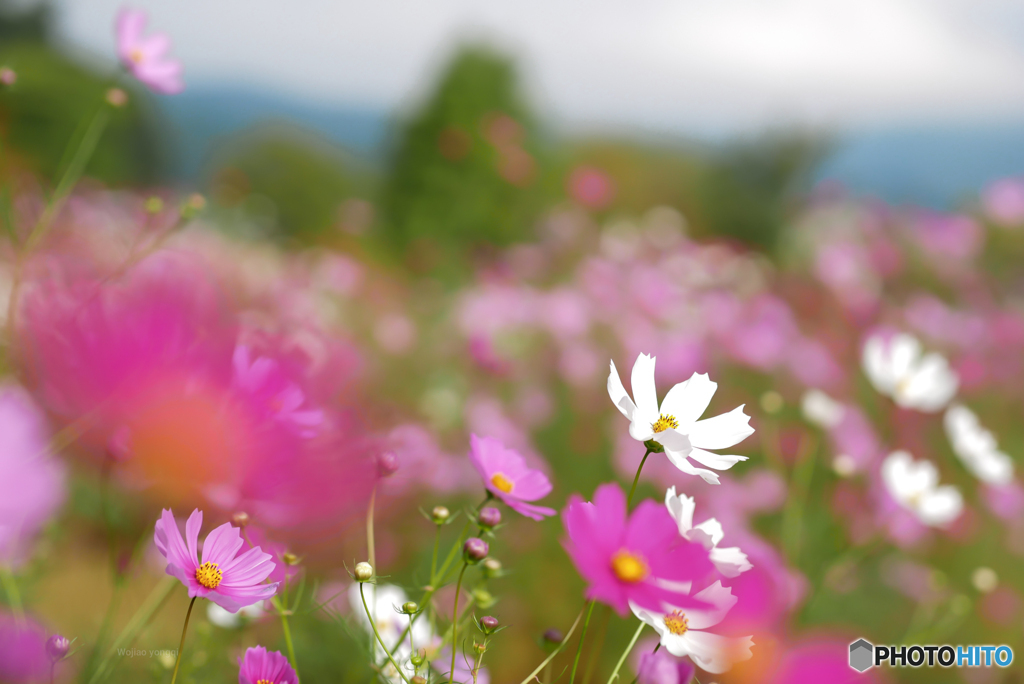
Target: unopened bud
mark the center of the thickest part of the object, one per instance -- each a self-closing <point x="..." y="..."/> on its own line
<point x="489" y="517"/>
<point x="475" y="550"/>
<point x="488" y="624"/>
<point x="417" y="680"/>
<point x="290" y="558"/>
<point x="363" y="572"/>
<point x="57" y="647"/>
<point x="410" y="608"/>
<point x="479" y="648"/>
<point x="553" y="636"/>
<point x="8" y="77"/>
<point x="117" y="98"/>
<point x="492" y="568"/>
<point x="241" y="519"/>
<point x="483" y="598"/>
<point x="387" y="464"/>
<point x="439" y="515"/>
<point x="154" y="205"/>
<point x="418" y="658"/>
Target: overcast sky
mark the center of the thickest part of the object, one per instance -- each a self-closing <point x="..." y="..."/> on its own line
<point x="688" y="65"/>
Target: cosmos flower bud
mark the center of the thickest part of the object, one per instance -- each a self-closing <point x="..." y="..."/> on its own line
<point x="479" y="648"/>
<point x="154" y="205"/>
<point x="410" y="608"/>
<point x="439" y="515"/>
<point x="241" y="519"/>
<point x="116" y="97"/>
<point x="483" y="598"/>
<point x="363" y="572"/>
<point x="8" y="77"/>
<point x="553" y="636"/>
<point x="475" y="550"/>
<point x="290" y="558"/>
<point x="489" y="517"/>
<point x="418" y="658"/>
<point x="57" y="647"/>
<point x="387" y="464"/>
<point x="492" y="568"/>
<point x="417" y="680"/>
<point x="488" y="624"/>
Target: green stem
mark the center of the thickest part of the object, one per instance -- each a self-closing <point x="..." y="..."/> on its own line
<point x="433" y="558"/>
<point x="181" y="645"/>
<point x="792" y="517"/>
<point x="141" y="618"/>
<point x="599" y="648"/>
<point x="373" y="625"/>
<point x="637" y="479"/>
<point x="455" y="621"/>
<point x="622" y="659"/>
<point x="583" y="637"/>
<point x="551" y="656"/>
<point x="283" y="612"/>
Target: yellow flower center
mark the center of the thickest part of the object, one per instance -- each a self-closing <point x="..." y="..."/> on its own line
<point x="501" y="482"/>
<point x="209" y="575"/>
<point x="264" y="681"/>
<point x="629" y="567"/>
<point x="136" y="56"/>
<point x="664" y="423"/>
<point x="676" y="623"/>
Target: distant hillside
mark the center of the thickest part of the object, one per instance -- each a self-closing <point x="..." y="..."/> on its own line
<point x="939" y="167"/>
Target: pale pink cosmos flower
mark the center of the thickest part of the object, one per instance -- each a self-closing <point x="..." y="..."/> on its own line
<point x="230" y="580"/>
<point x="260" y="666"/>
<point x="508" y="478"/>
<point x="146" y="56"/>
<point x="632" y="559"/>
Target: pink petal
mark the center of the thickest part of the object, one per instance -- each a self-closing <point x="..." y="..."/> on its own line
<point x="222" y="544"/>
<point x="170" y="543"/>
<point x="192" y="527"/>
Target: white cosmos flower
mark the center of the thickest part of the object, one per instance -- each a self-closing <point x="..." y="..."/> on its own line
<point x="821" y="410"/>
<point x="384" y="600"/>
<point x="675" y="426"/>
<point x="976" y="446"/>
<point x="729" y="562"/>
<point x="682" y="632"/>
<point x="898" y="369"/>
<point x="222" y="618"/>
<point x="915" y="486"/>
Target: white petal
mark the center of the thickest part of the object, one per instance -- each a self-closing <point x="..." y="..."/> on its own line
<point x="688" y="400"/>
<point x="904" y="351"/>
<point x="876" y="365"/>
<point x="730" y="562"/>
<point x="907" y="479"/>
<point x="941" y="506"/>
<point x="930" y="386"/>
<point x="618" y="393"/>
<point x="721" y="599"/>
<point x="645" y="394"/>
<point x="716" y="461"/>
<point x="640" y="430"/>
<point x="821" y="410"/>
<point x="681" y="509"/>
<point x="717" y="654"/>
<point x="680" y="461"/>
<point x="721" y="431"/>
<point x="712" y="529"/>
<point x="993" y="467"/>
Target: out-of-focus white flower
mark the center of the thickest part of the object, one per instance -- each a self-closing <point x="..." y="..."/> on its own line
<point x="674" y="426"/>
<point x="898" y="369"/>
<point x="384" y="600"/>
<point x="985" y="579"/>
<point x="730" y="562"/>
<point x="976" y="446"/>
<point x="228" y="620"/>
<point x="682" y="633"/>
<point x="821" y="410"/>
<point x="915" y="486"/>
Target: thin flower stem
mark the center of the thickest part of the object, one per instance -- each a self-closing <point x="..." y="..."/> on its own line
<point x="637" y="479"/>
<point x="595" y="652"/>
<point x="622" y="659"/>
<point x="583" y="637"/>
<point x="433" y="559"/>
<point x="412" y="645"/>
<point x="455" y="621"/>
<point x="551" y="656"/>
<point x="800" y="483"/>
<point x="479" y="661"/>
<point x="283" y="612"/>
<point x="373" y="625"/>
<point x="181" y="645"/>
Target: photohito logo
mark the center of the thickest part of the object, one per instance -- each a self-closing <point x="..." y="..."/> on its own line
<point x="864" y="655"/>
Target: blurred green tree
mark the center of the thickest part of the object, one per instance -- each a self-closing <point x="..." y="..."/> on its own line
<point x="287" y="179"/>
<point x="465" y="172"/>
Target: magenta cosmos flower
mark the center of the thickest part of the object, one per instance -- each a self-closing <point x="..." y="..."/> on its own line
<point x="508" y="478"/>
<point x="229" y="580"/>
<point x="146" y="56"/>
<point x="640" y="558"/>
<point x="260" y="666"/>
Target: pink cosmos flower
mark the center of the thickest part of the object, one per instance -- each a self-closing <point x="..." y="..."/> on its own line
<point x="146" y="56"/>
<point x="23" y="657"/>
<point x="260" y="666"/>
<point x="507" y="476"/>
<point x="284" y="400"/>
<point x="640" y="558"/>
<point x="229" y="580"/>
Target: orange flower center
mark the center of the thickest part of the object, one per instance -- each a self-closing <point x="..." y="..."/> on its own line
<point x="501" y="482"/>
<point x="209" y="575"/>
<point x="664" y="423"/>
<point x="264" y="681"/>
<point x="136" y="56"/>
<point x="676" y="623"/>
<point x="629" y="567"/>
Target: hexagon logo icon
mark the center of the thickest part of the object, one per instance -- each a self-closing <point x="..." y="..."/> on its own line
<point x="862" y="655"/>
